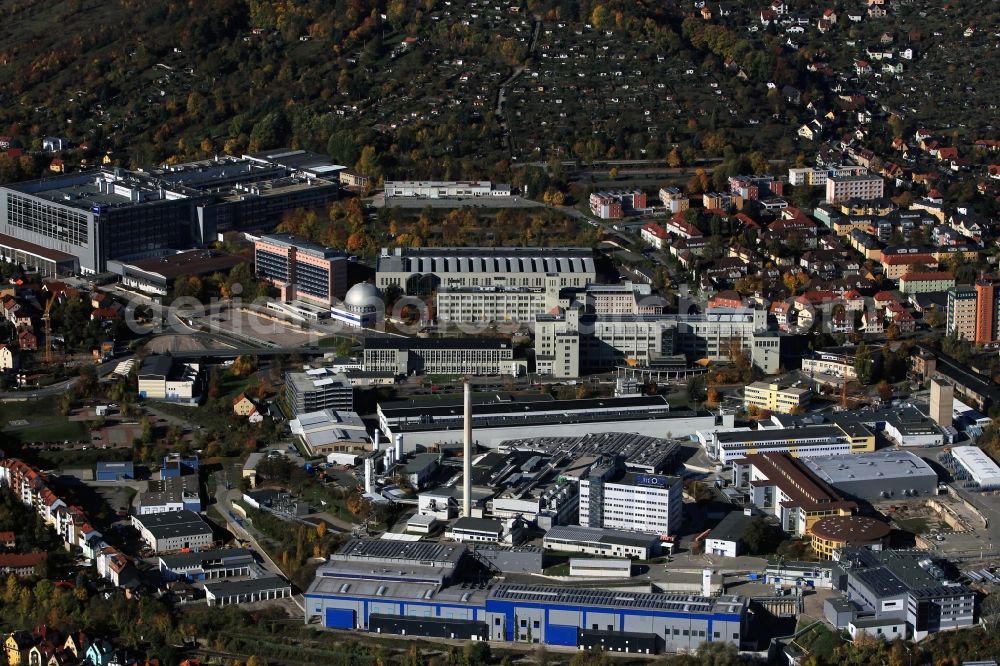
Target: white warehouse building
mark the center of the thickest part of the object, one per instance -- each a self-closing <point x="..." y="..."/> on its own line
<point x="981" y="469"/>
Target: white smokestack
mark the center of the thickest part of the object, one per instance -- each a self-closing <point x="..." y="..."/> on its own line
<point x="387" y="460"/>
<point x="467" y="456"/>
<point x="378" y="438"/>
<point x="399" y="447"/>
<point x="369" y="475"/>
<point x="706" y="582"/>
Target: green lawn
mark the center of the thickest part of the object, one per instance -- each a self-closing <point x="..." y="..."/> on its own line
<point x="50" y="431"/>
<point x="913" y="525"/>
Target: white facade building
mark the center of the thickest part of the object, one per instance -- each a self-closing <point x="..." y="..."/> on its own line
<point x="436" y="189"/>
<point x="639" y="502"/>
<point x="981" y="469"/>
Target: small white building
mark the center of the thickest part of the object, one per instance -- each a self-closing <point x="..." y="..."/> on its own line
<point x="599" y="568"/>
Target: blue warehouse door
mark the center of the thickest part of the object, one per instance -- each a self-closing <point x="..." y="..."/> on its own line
<point x="561" y="634"/>
<point x="340" y="618"/>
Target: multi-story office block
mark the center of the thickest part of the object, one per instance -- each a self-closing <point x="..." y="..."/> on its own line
<point x="318" y="389"/>
<point x="631" y="501"/>
<point x="572" y="342"/>
<point x="476" y="305"/>
<point x="77" y="222"/>
<point x="893" y="587"/>
<point x="98" y="215"/>
<point x="775" y="398"/>
<point x="444" y="356"/>
<point x="302" y="270"/>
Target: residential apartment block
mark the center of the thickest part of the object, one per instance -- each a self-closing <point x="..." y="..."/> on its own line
<point x="674" y="200"/>
<point x="923" y="282"/>
<point x="844" y="188"/>
<point x="616" y="204"/>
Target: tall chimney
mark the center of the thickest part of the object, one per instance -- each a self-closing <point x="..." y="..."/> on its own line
<point x="377" y="439"/>
<point x="369" y="474"/>
<point x="467" y="456"/>
<point x="399" y="447"/>
<point x="706" y="582"/>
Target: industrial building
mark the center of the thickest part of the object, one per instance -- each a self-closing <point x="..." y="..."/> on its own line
<point x="428" y="424"/>
<point x="173" y="531"/>
<point x="329" y="431"/>
<point x="264" y="588"/>
<point x="47" y="262"/>
<point x="602" y="542"/>
<point x="442" y="356"/>
<point x="727" y="446"/>
<point x="978" y="467"/>
<point x="157" y="275"/>
<point x="876" y="476"/>
<point x="100" y="215"/>
<point x="892" y="587"/>
<point x="161" y="377"/>
<point x="171" y="493"/>
<point x="301" y="269"/>
<point x="431" y="589"/>
<point x="416" y="271"/>
<point x="781" y="485"/>
<point x="317" y="389"/>
<point x="207" y="565"/>
<point x="640" y="502"/>
<point x="253" y="191"/>
<point x="726" y="538"/>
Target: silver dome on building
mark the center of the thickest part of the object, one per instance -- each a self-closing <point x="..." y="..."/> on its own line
<point x="362" y="296"/>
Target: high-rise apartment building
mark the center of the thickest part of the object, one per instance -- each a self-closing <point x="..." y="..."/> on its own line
<point x="987" y="311"/>
<point x="962" y="312"/>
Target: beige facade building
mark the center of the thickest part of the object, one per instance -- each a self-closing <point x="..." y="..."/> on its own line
<point x="775" y="398"/>
<point x="843" y="188"/>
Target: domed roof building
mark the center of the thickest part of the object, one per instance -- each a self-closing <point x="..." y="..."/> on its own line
<point x="363" y="306"/>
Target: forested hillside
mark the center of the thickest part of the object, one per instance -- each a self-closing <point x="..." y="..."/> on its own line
<point x="419" y="82"/>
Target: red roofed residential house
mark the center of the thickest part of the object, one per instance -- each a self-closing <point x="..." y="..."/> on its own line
<point x="678" y="226"/>
<point x="727" y="299"/>
<point x="21" y="564"/>
<point x="27" y="341"/>
<point x="654" y="235"/>
<point x="898" y="265"/>
<point x="926" y="282"/>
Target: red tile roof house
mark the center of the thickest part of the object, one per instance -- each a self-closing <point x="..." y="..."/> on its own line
<point x="21" y="564"/>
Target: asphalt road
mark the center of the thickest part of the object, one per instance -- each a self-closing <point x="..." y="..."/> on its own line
<point x="103" y="370"/>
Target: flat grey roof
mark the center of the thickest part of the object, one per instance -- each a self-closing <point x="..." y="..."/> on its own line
<point x="229" y="588"/>
<point x="859" y="467"/>
<point x="173" y="524"/>
<point x="416" y="551"/>
<point x="582" y="534"/>
<point x="209" y="557"/>
<point x="570" y="596"/>
<point x="478" y="525"/>
<point x="732" y="527"/>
